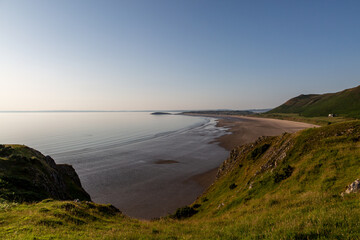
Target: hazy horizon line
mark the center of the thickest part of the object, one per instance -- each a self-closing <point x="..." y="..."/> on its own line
<point x="24" y="111"/>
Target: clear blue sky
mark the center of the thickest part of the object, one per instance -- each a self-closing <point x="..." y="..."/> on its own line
<point x="170" y="54"/>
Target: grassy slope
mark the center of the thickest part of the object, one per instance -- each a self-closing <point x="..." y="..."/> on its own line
<point x="345" y="103"/>
<point x="296" y="181"/>
<point x="321" y="121"/>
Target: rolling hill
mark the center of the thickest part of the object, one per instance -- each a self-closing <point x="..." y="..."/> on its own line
<point x="345" y="104"/>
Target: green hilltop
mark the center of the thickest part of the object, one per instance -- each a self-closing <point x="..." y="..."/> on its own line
<point x="345" y="104"/>
<point x="285" y="187"/>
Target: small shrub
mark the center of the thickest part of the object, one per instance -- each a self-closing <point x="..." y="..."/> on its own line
<point x="247" y="198"/>
<point x="205" y="199"/>
<point x="273" y="202"/>
<point x="232" y="186"/>
<point x="108" y="209"/>
<point x="49" y="222"/>
<point x="184" y="212"/>
<point x="196" y="205"/>
<point x="257" y="152"/>
<point x="355" y="139"/>
<point x="283" y="174"/>
<point x="155" y="231"/>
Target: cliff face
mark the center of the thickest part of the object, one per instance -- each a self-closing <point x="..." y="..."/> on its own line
<point x="272" y="149"/>
<point x="26" y="175"/>
<point x="283" y="169"/>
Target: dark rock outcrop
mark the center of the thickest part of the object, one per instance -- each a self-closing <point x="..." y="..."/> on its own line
<point x="26" y="176"/>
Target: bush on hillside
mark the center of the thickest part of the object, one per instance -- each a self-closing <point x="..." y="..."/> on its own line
<point x="257" y="152"/>
<point x="283" y="173"/>
<point x="184" y="212"/>
<point x="232" y="186"/>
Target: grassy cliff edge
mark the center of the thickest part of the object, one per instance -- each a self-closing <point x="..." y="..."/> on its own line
<point x="285" y="187"/>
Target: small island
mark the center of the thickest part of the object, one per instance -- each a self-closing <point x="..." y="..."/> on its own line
<point x="160" y="113"/>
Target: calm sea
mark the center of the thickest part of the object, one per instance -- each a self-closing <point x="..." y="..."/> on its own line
<point x="115" y="154"/>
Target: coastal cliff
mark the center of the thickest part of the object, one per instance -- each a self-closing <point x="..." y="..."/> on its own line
<point x="303" y="170"/>
<point x="303" y="185"/>
<point x="26" y="175"/>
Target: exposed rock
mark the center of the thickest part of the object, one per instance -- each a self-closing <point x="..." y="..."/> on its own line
<point x="50" y="161"/>
<point x="353" y="187"/>
<point x="272" y="154"/>
<point x="26" y="176"/>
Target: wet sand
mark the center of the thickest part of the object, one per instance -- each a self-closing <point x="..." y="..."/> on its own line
<point x="151" y="178"/>
<point x="161" y="161"/>
<point x="154" y="177"/>
<point x="204" y="179"/>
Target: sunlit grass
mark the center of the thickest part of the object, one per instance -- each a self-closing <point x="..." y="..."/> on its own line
<point x="322" y="121"/>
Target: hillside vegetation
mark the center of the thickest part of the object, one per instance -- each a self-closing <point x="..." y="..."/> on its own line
<point x="345" y="104"/>
<point x="285" y="187"/>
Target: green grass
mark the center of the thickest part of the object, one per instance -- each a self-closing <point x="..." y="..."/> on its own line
<point x="345" y="104"/>
<point x="321" y="121"/>
<point x="286" y="187"/>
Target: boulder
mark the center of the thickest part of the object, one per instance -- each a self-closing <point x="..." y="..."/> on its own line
<point x="353" y="187"/>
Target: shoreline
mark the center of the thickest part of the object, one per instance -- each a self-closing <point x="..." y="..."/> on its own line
<point x="151" y="179"/>
<point x="205" y="179"/>
<point x="243" y="130"/>
<point x="171" y="170"/>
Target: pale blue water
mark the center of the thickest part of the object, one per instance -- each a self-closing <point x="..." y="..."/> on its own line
<point x="58" y="132"/>
<point x="114" y="154"/>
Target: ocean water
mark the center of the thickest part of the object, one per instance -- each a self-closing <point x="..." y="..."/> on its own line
<point x="116" y="153"/>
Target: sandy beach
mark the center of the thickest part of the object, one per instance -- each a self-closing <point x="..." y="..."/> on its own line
<point x="248" y="129"/>
<point x="243" y="130"/>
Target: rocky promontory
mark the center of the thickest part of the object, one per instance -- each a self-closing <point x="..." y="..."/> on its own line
<point x="26" y="175"/>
